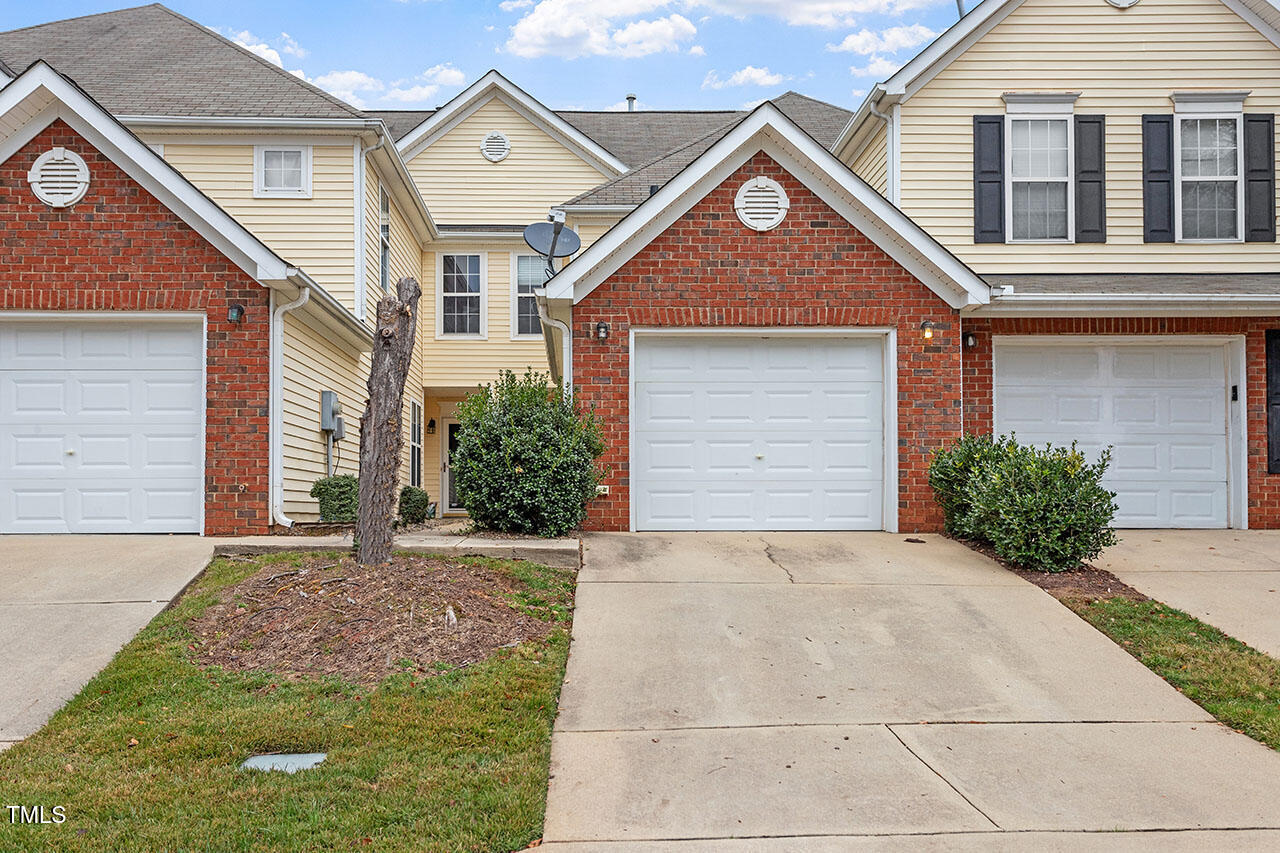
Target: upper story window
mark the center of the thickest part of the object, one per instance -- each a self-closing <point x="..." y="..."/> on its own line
<point x="1209" y="178"/>
<point x="1039" y="178"/>
<point x="282" y="171"/>
<point x="460" y="297"/>
<point x="529" y="275"/>
<point x="384" y="239"/>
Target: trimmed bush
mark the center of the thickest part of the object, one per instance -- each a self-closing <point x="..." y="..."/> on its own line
<point x="339" y="497"/>
<point x="526" y="457"/>
<point x="1041" y="508"/>
<point x="414" y="504"/>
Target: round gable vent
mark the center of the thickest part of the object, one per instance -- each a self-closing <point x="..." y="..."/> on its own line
<point x="59" y="177"/>
<point x="495" y="147"/>
<point x="761" y="203"/>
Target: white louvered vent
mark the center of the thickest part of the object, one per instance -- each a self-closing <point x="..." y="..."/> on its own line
<point x="761" y="203"/>
<point x="59" y="177"/>
<point x="495" y="147"/>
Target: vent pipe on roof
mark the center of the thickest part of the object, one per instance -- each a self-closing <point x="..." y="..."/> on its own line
<point x="631" y="99"/>
<point x="960" y="7"/>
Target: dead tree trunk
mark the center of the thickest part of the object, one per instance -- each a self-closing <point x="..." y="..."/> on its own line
<point x="380" y="428"/>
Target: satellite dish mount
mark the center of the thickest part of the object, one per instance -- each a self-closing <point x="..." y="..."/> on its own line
<point x="551" y="240"/>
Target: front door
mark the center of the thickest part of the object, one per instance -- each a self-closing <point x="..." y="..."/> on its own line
<point x="451" y="444"/>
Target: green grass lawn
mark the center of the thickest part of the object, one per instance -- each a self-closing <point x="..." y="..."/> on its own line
<point x="145" y="757"/>
<point x="1237" y="684"/>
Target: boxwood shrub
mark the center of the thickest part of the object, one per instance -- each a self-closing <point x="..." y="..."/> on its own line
<point x="414" y="505"/>
<point x="1041" y="508"/>
<point x="339" y="497"/>
<point x="526" y="457"/>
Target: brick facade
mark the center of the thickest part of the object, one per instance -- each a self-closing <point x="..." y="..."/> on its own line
<point x="1264" y="488"/>
<point x="120" y="249"/>
<point x="708" y="269"/>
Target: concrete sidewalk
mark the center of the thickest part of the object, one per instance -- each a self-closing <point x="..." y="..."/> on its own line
<point x="558" y="553"/>
<point x="1228" y="578"/>
<point x="747" y="692"/>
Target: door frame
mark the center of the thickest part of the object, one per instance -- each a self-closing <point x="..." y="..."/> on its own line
<point x="446" y="472"/>
<point x="889" y="409"/>
<point x="1234" y="358"/>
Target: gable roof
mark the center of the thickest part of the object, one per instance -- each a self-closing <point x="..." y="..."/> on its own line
<point x="149" y="60"/>
<point x="768" y="129"/>
<point x="494" y="85"/>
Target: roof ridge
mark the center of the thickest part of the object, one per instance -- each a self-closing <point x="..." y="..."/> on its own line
<point x="80" y="18"/>
<point x="294" y="78"/>
<point x="645" y="112"/>
<point x="796" y="94"/>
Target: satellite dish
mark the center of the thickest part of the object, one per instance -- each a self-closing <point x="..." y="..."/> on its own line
<point x="543" y="239"/>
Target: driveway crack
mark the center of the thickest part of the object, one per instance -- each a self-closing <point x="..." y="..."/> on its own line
<point x="945" y="780"/>
<point x="768" y="552"/>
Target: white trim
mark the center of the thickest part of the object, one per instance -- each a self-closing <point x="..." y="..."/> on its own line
<point x="1206" y="103"/>
<point x="515" y="297"/>
<point x="1070" y="178"/>
<point x="484" y="299"/>
<point x="893" y="139"/>
<point x="249" y="122"/>
<point x="1052" y="103"/>
<point x="494" y="85"/>
<point x="360" y="191"/>
<point x="157" y="147"/>
<point x="242" y="139"/>
<point x="767" y="129"/>
<point x="443" y="501"/>
<point x="415" y="406"/>
<point x="261" y="190"/>
<point x="1237" y="411"/>
<point x="1130" y="305"/>
<point x="1178" y="119"/>
<point x="481" y="236"/>
<point x="889" y="334"/>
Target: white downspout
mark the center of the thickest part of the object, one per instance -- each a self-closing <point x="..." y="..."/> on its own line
<point x="361" y="235"/>
<point x="890" y="163"/>
<point x="277" y="403"/>
<point x="566" y="346"/>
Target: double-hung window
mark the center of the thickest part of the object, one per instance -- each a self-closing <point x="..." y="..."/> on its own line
<point x="529" y="275"/>
<point x="461" y="295"/>
<point x="282" y="171"/>
<point x="415" y="443"/>
<point x="1209" y="176"/>
<point x="1040" y="200"/>
<point x="384" y="239"/>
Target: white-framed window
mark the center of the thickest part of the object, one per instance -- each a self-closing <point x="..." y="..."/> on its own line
<point x="460" y="295"/>
<point x="415" y="443"/>
<point x="1040" y="189"/>
<point x="528" y="272"/>
<point x="282" y="171"/>
<point x="1207" y="156"/>
<point x="384" y="239"/>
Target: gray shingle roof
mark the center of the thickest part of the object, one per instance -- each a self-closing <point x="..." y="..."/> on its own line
<point x="150" y="60"/>
<point x="1247" y="284"/>
<point x="400" y="122"/>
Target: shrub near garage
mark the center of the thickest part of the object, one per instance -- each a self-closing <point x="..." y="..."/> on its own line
<point x="526" y="457"/>
<point x="415" y="504"/>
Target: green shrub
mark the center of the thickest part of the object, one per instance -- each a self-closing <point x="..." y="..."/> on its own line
<point x="1041" y="508"/>
<point x="526" y="457"/>
<point x="414" y="504"/>
<point x="339" y="497"/>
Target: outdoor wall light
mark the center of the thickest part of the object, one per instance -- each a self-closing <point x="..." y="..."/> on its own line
<point x="970" y="340"/>
<point x="235" y="313"/>
<point x="431" y="426"/>
<point x="927" y="326"/>
<point x="602" y="331"/>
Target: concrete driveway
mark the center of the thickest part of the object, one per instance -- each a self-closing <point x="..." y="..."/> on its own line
<point x="1228" y="578"/>
<point x="822" y="692"/>
<point x="69" y="603"/>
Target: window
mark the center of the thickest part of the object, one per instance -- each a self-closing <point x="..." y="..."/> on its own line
<point x="529" y="274"/>
<point x="384" y="239"/>
<point x="415" y="444"/>
<point x="1209" y="178"/>
<point x="461" y="295"/>
<point x="1040" y="187"/>
<point x="282" y="171"/>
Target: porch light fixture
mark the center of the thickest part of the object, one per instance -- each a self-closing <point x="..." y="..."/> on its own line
<point x="927" y="326"/>
<point x="602" y="331"/>
<point x="970" y="340"/>
<point x="235" y="313"/>
<point x="431" y="426"/>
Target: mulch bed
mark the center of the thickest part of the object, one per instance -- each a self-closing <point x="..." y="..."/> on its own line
<point x="1087" y="582"/>
<point x="337" y="617"/>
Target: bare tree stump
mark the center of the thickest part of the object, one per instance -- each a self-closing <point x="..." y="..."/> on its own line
<point x="380" y="428"/>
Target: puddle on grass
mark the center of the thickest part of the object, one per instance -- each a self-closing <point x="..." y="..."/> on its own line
<point x="289" y="762"/>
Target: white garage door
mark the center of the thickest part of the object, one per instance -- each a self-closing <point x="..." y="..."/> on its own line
<point x="758" y="433"/>
<point x="1163" y="408"/>
<point x="101" y="426"/>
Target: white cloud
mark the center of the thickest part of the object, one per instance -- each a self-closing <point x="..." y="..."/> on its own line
<point x="512" y="5"/>
<point x="749" y="76"/>
<point x="443" y="75"/>
<point x="810" y="13"/>
<point x="858" y="93"/>
<point x="290" y="47"/>
<point x="697" y="50"/>
<point x="573" y="28"/>
<point x="350" y="86"/>
<point x="891" y="40"/>
<point x="411" y="95"/>
<point x="751" y="105"/>
<point x="878" y="67"/>
<point x="255" y="45"/>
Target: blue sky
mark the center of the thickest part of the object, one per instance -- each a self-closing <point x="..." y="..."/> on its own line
<point x="568" y="53"/>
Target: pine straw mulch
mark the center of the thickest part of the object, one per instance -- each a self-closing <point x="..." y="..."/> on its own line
<point x="362" y="623"/>
<point x="1086" y="582"/>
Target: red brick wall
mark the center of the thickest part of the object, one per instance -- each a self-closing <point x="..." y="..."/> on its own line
<point x="1264" y="489"/>
<point x="120" y="249"/>
<point x="708" y="269"/>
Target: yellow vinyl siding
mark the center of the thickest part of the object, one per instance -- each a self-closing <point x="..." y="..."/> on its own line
<point x="870" y="164"/>
<point x="1124" y="64"/>
<point x="315" y="234"/>
<point x="461" y="187"/>
<point x="591" y="229"/>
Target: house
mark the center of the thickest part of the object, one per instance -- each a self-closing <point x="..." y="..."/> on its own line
<point x="1059" y="220"/>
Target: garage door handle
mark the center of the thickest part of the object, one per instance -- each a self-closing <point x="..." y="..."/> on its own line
<point x="71" y="453"/>
<point x="759" y="455"/>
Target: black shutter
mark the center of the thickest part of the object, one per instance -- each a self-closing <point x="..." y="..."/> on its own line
<point x="1259" y="178"/>
<point x="988" y="179"/>
<point x="1273" y="401"/>
<point x="1091" y="179"/>
<point x="1157" y="179"/>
